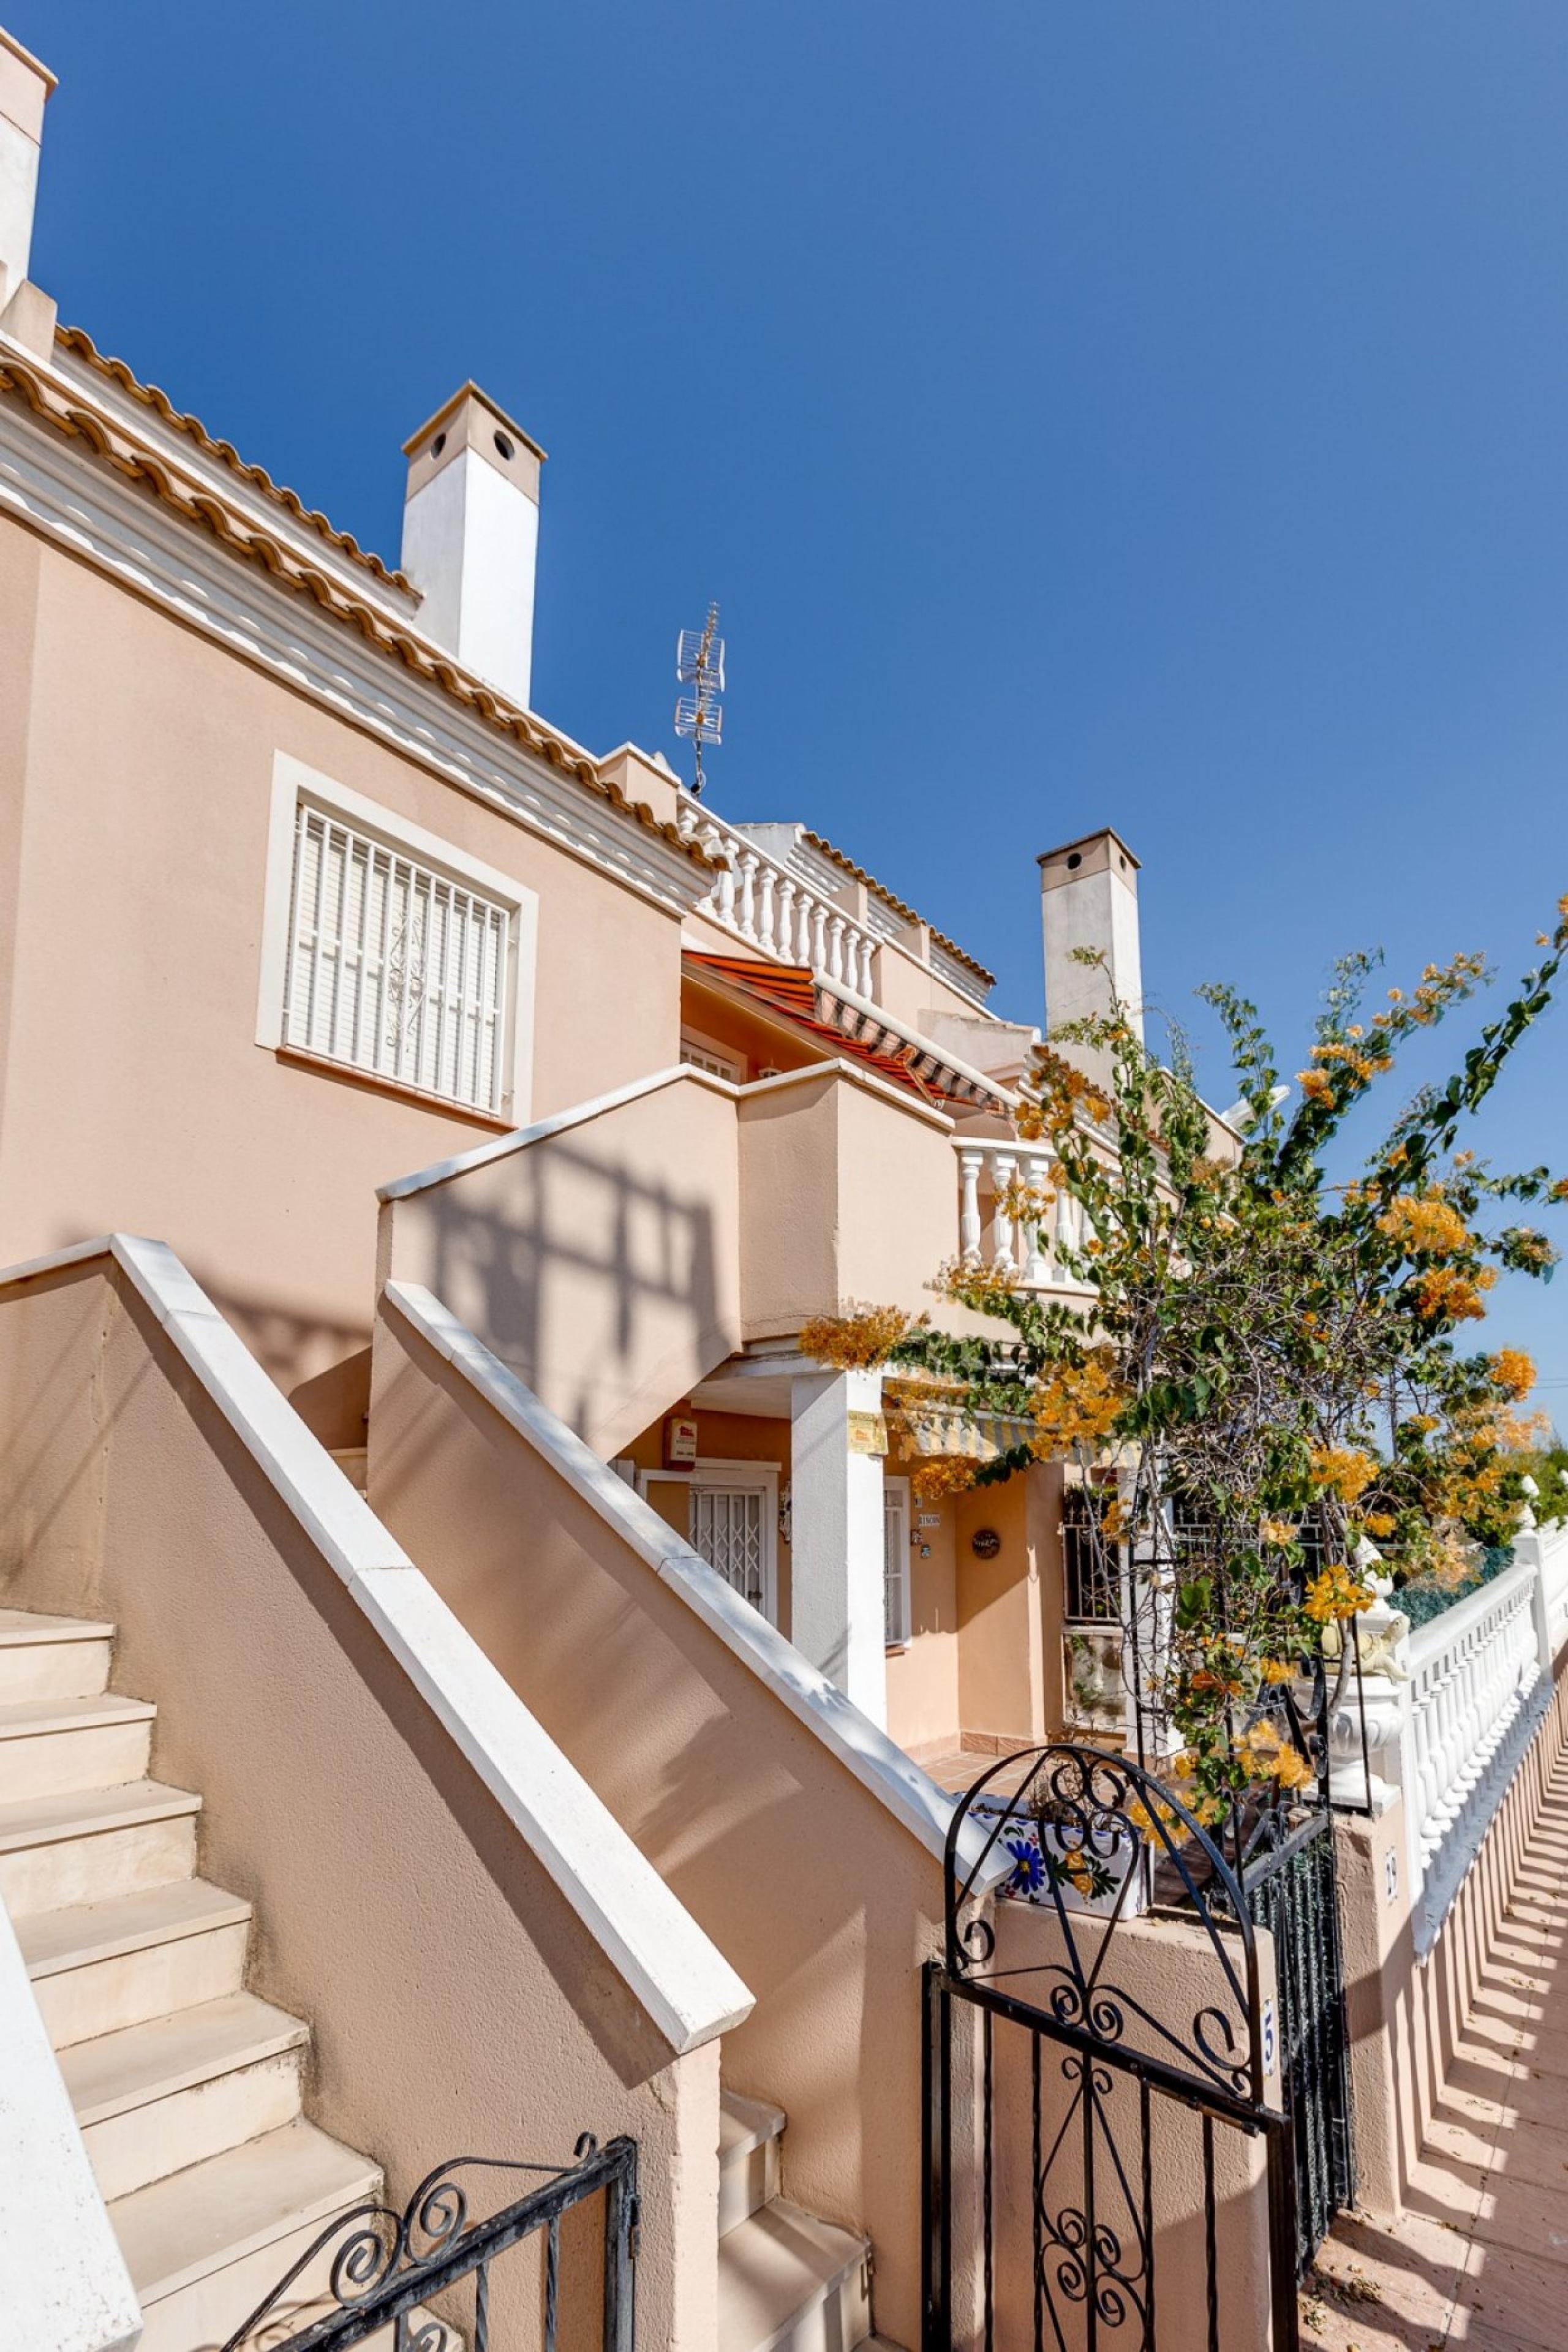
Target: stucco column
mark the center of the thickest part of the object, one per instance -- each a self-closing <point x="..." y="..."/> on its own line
<point x="836" y="1537"/>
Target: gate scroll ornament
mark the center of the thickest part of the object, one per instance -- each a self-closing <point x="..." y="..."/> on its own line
<point x="383" y="2266"/>
<point x="1094" y="1840"/>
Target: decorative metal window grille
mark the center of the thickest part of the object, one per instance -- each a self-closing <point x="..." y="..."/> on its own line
<point x="394" y="968"/>
<point x="896" y="1611"/>
<point x="1089" y="1566"/>
<point x="727" y="1529"/>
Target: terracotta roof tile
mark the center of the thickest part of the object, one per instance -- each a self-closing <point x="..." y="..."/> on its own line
<point x="110" y="440"/>
<point x="847" y="865"/>
<point x="78" y="340"/>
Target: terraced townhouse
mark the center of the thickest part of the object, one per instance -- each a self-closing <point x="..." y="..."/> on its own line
<point x="467" y="1680"/>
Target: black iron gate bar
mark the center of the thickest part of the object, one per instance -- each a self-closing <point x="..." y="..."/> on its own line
<point x="1152" y="2076"/>
<point x="377" y="2277"/>
<point x="1103" y="1819"/>
<point x="1293" y="1893"/>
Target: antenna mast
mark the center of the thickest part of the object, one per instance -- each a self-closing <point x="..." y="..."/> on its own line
<point x="700" y="666"/>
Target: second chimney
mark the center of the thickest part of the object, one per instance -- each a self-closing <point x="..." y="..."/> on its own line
<point x="25" y="87"/>
<point x="1088" y="899"/>
<point x="470" y="537"/>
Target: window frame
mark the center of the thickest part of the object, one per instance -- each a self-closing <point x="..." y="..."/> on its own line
<point x="293" y="785"/>
<point x="719" y="1062"/>
<point x="897" y="1492"/>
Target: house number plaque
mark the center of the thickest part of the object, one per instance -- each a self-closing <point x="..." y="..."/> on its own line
<point x="867" y="1432"/>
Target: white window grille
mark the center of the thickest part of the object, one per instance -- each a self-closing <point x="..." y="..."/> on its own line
<point x="394" y="968"/>
<point x="729" y="1527"/>
<point x="895" y="1608"/>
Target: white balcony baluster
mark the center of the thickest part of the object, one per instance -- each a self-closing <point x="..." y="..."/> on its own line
<point x="746" y="917"/>
<point x="970" y="1164"/>
<point x="1037" y="1263"/>
<point x="1003" y="1243"/>
<point x="773" y="909"/>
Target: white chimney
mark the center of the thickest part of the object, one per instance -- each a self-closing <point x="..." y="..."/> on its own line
<point x="1088" y="899"/>
<point x="470" y="537"/>
<point x="25" y="87"/>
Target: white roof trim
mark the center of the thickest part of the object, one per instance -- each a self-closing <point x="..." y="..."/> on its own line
<point x="677" y="1974"/>
<point x="865" y="1751"/>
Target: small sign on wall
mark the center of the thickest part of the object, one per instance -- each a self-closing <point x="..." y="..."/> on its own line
<point x="929" y="1519"/>
<point x="680" y="1442"/>
<point x="867" y="1432"/>
<point x="1391" y="1874"/>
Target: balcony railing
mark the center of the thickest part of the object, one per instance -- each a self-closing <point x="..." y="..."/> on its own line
<point x="988" y="1177"/>
<point x="1472" y="1672"/>
<point x="772" y="909"/>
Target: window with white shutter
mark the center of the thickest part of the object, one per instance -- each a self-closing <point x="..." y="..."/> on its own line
<point x="897" y="1612"/>
<point x="396" y="968"/>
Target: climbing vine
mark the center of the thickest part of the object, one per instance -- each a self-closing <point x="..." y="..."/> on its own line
<point x="1251" y="1371"/>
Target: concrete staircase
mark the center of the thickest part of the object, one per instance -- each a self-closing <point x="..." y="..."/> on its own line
<point x="186" y="2087"/>
<point x="787" y="2281"/>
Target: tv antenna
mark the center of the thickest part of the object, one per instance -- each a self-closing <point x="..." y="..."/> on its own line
<point x="700" y="666"/>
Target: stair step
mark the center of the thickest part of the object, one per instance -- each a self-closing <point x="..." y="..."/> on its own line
<point x="91" y="1740"/>
<point x="89" y="1844"/>
<point x="789" y="2282"/>
<point x="155" y="2098"/>
<point x="51" y="1657"/>
<point x="749" y="2133"/>
<point x="100" y="1966"/>
<point x="204" y="2245"/>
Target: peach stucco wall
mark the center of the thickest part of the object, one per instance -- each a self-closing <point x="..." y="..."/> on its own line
<point x="456" y="2000"/>
<point x="136" y="765"/>
<point x="602" y="1264"/>
<point x="847" y="1196"/>
<point x="814" y="1892"/>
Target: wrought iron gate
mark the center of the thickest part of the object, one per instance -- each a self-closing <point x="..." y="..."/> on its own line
<point x="1290" y="1889"/>
<point x="373" y="2268"/>
<point x="1108" y="2127"/>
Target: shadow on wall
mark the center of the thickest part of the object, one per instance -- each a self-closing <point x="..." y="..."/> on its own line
<point x="321" y="1365"/>
<point x="604" y="1287"/>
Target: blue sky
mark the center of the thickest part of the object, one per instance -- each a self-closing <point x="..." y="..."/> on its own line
<point x="1138" y="414"/>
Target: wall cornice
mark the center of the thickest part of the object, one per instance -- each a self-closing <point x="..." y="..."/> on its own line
<point x="70" y="483"/>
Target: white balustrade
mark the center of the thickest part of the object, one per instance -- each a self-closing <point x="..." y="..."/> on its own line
<point x="988" y="1234"/>
<point x="1472" y="1671"/>
<point x="1554" y="1583"/>
<point x="772" y="908"/>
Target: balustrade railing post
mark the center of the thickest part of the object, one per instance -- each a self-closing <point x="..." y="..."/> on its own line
<point x="1037" y="1175"/>
<point x="747" y="911"/>
<point x="1004" y="1248"/>
<point x="787" y="915"/>
<point x="1530" y="1552"/>
<point x="969" y="1166"/>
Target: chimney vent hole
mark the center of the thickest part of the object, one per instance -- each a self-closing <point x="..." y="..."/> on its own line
<point x="1074" y="860"/>
<point x="439" y="444"/>
<point x="505" y="447"/>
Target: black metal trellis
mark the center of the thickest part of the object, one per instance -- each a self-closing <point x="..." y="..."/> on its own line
<point x="384" y="2268"/>
<point x="1112" y="2088"/>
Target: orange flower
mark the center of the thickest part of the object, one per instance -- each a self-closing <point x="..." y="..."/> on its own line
<point x="1513" y="1372"/>
<point x="1341" y="1470"/>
